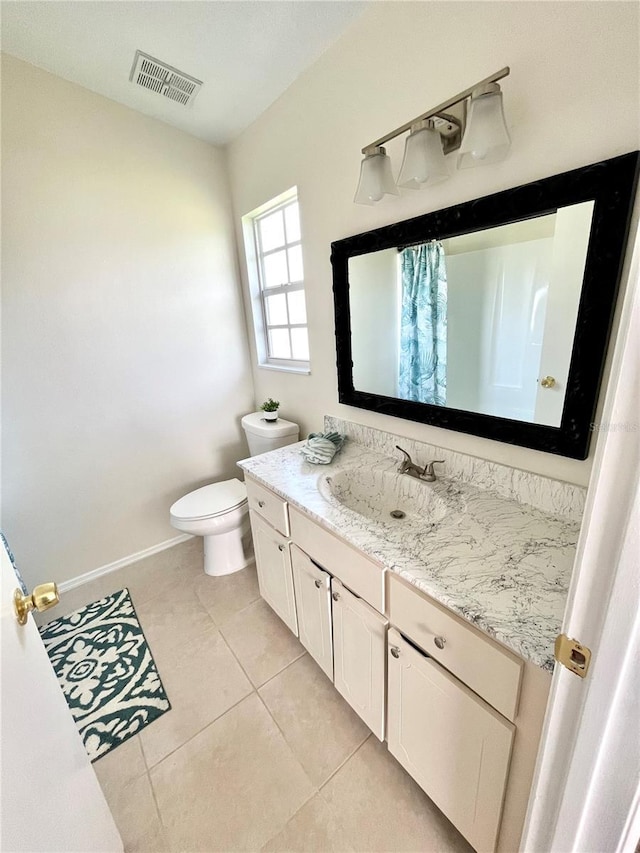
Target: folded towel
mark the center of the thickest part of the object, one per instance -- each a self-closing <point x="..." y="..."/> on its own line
<point x="322" y="447"/>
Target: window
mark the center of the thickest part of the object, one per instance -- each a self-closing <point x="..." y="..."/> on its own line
<point x="276" y="274"/>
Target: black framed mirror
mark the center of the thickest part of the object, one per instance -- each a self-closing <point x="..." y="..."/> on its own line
<point x="491" y="317"/>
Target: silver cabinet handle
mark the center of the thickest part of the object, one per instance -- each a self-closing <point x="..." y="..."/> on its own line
<point x="439" y="641"/>
<point x="260" y="504"/>
<point x="336" y="596"/>
<point x="318" y="583"/>
<point x="280" y="547"/>
<point x="395" y="651"/>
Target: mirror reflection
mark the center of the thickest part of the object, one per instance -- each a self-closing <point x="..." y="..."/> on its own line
<point x="482" y="322"/>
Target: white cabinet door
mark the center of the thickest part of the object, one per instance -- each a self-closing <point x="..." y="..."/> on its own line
<point x="359" y="654"/>
<point x="273" y="562"/>
<point x="313" y="603"/>
<point x="455" y="746"/>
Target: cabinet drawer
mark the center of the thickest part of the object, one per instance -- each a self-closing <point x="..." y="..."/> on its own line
<point x="268" y="505"/>
<point x="488" y="669"/>
<point x="357" y="572"/>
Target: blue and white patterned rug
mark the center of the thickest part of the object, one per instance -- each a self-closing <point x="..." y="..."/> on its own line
<point x="106" y="672"/>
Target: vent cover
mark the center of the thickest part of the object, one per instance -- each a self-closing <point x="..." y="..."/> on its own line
<point x="151" y="73"/>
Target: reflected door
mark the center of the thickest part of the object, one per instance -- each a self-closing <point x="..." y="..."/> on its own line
<point x="567" y="272"/>
<point x="497" y="306"/>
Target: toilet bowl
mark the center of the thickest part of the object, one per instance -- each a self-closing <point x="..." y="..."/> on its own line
<point x="219" y="512"/>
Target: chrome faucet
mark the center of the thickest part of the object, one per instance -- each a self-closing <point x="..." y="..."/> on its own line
<point x="408" y="466"/>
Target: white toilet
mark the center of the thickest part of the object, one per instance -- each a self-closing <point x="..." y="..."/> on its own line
<point x="220" y="513"/>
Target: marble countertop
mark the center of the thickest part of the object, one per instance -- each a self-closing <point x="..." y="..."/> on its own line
<point x="502" y="565"/>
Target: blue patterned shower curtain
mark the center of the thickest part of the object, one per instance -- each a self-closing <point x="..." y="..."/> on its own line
<point x="423" y="325"/>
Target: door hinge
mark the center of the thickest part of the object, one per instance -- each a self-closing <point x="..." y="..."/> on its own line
<point x="572" y="654"/>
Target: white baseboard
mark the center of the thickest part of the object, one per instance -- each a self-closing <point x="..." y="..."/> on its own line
<point x="65" y="586"/>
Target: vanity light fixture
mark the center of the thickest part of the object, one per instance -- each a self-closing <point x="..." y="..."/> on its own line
<point x="375" y="176"/>
<point x="423" y="164"/>
<point x="479" y="131"/>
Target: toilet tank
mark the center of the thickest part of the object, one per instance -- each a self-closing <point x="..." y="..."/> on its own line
<point x="263" y="436"/>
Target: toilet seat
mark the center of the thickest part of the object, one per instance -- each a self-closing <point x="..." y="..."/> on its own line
<point x="210" y="501"/>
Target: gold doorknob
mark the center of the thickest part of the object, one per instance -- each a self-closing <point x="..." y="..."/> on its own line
<point x="548" y="382"/>
<point x="44" y="596"/>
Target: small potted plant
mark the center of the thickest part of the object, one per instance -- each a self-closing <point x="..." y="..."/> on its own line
<point x="270" y="408"/>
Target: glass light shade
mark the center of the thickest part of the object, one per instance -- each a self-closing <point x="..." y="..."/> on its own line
<point x="375" y="178"/>
<point x="423" y="164"/>
<point x="486" y="138"/>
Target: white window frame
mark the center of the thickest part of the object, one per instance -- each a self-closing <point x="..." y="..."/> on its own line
<point x="255" y="271"/>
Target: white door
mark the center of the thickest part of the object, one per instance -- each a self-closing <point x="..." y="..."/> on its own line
<point x="586" y="793"/>
<point x="51" y="799"/>
<point x="454" y="745"/>
<point x="359" y="654"/>
<point x="313" y="604"/>
<point x="273" y="562"/>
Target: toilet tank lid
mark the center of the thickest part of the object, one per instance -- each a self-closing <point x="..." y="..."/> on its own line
<point x="256" y="425"/>
<point x="210" y="500"/>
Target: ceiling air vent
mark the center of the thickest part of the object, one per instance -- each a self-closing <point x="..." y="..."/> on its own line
<point x="163" y="79"/>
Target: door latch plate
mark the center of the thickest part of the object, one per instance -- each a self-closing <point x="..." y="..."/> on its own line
<point x="572" y="654"/>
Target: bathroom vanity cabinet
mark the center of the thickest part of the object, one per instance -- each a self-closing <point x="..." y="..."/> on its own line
<point x="459" y="711"/>
<point x="323" y="589"/>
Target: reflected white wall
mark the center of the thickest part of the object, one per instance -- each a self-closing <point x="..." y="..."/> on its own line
<point x="375" y="321"/>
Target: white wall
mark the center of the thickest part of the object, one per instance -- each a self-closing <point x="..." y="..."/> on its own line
<point x="572" y="64"/>
<point x="125" y="369"/>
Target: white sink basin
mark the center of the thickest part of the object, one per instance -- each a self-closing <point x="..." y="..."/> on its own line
<point x="384" y="496"/>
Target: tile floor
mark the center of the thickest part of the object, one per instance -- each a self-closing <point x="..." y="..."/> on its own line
<point x="259" y="752"/>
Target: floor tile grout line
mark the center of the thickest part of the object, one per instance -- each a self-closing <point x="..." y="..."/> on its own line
<point x="226" y="711"/>
<point x="204" y="728"/>
<point x="269" y="680"/>
<point x="284" y="669"/>
<point x="254" y="689"/>
<point x="168" y="589"/>
<point x="213" y="578"/>
<point x="318" y="789"/>
<point x="245" y="607"/>
<point x="346" y="760"/>
<point x="284" y="737"/>
<point x="173" y="658"/>
<point x="271" y="677"/>
<point x="314" y="792"/>
<point x="312" y="796"/>
<point x="144" y="757"/>
<point x="175" y="651"/>
<point x="158" y="812"/>
<point x="233" y="615"/>
<point x="237" y="660"/>
<point x="315" y="787"/>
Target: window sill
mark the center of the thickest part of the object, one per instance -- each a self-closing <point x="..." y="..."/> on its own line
<point x="305" y="371"/>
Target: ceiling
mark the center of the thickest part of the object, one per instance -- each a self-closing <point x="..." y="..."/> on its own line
<point x="246" y="52"/>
